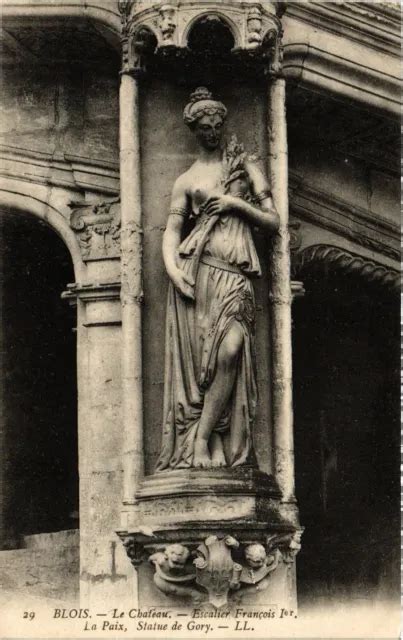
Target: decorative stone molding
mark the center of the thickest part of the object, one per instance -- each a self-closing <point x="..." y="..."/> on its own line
<point x="334" y="214"/>
<point x="92" y="292"/>
<point x="297" y="289"/>
<point x="375" y="24"/>
<point x="347" y="263"/>
<point x="171" y="23"/>
<point x="134" y="550"/>
<point x="218" y="570"/>
<point x="40" y="167"/>
<point x="311" y="66"/>
<point x="137" y="40"/>
<point x="98" y="229"/>
<point x="288" y="544"/>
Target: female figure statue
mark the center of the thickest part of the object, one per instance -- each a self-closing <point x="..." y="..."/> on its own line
<point x="210" y="382"/>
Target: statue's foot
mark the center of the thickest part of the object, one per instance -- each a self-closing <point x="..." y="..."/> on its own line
<point x="218" y="459"/>
<point x="217" y="451"/>
<point x="201" y="457"/>
<point x="215" y="462"/>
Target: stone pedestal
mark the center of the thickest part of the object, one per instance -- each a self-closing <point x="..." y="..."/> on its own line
<point x="212" y="538"/>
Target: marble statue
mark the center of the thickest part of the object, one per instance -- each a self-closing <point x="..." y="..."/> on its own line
<point x="210" y="380"/>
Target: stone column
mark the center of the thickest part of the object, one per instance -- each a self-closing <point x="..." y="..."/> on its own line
<point x="280" y="295"/>
<point x="105" y="573"/>
<point x="131" y="280"/>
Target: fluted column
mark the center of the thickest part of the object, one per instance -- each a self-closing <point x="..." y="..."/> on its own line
<point x="280" y="295"/>
<point x="131" y="278"/>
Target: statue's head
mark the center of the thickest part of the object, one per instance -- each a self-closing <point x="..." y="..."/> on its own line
<point x="255" y="555"/>
<point x="205" y="117"/>
<point x="176" y="555"/>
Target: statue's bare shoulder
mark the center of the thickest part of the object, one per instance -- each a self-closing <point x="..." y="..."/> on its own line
<point x="183" y="183"/>
<point x="181" y="190"/>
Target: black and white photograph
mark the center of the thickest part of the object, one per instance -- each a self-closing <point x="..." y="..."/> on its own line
<point x="200" y="319"/>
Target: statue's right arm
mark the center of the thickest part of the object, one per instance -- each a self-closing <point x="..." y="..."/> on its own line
<point x="173" y="237"/>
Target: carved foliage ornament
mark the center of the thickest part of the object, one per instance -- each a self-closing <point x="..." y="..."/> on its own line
<point x="211" y="574"/>
<point x="98" y="229"/>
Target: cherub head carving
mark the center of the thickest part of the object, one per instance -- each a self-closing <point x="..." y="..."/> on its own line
<point x="255" y="556"/>
<point x="176" y="555"/>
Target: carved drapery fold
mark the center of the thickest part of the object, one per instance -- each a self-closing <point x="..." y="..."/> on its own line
<point x="345" y="262"/>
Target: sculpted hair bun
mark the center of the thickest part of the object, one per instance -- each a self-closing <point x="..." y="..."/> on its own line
<point x="201" y="103"/>
<point x="201" y="93"/>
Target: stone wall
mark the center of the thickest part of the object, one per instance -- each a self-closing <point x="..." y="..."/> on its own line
<point x="46" y="567"/>
<point x="61" y="110"/>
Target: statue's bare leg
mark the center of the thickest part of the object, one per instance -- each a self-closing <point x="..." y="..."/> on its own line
<point x="218" y="394"/>
<point x="217" y="450"/>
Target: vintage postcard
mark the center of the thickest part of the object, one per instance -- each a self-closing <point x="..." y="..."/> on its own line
<point x="199" y="214"/>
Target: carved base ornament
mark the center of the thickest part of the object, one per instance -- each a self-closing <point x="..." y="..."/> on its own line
<point x="220" y="571"/>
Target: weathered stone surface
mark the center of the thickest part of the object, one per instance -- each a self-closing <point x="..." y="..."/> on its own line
<point x="47" y="567"/>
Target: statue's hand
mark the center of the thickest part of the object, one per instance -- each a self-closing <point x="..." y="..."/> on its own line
<point x="222" y="204"/>
<point x="183" y="283"/>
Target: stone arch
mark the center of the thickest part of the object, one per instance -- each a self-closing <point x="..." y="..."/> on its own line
<point x="345" y="262"/>
<point x="144" y="38"/>
<point x="11" y="198"/>
<point x="229" y="23"/>
<point x="346" y="419"/>
<point x="39" y="359"/>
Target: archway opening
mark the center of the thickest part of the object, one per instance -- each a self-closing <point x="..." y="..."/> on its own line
<point x="347" y="431"/>
<point x="39" y="488"/>
<point x="211" y="34"/>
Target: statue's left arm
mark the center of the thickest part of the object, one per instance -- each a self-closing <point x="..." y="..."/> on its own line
<point x="263" y="215"/>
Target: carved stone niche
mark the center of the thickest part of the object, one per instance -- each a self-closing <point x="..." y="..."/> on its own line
<point x="214" y="569"/>
<point x="97" y="226"/>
